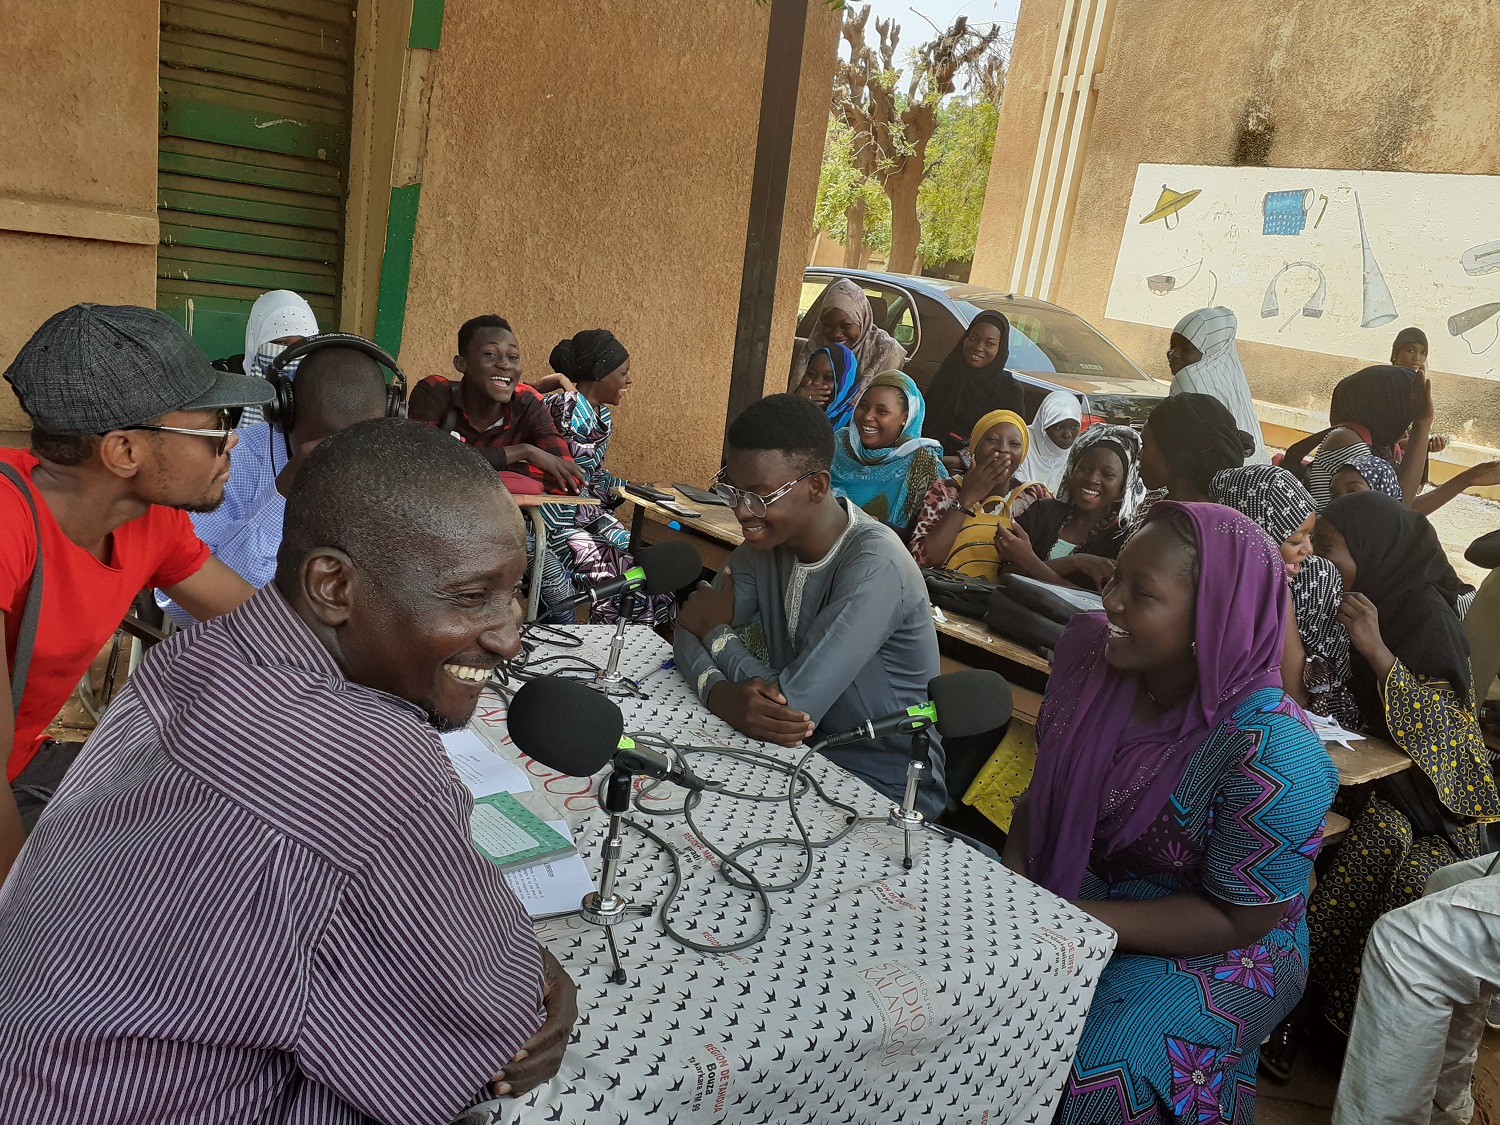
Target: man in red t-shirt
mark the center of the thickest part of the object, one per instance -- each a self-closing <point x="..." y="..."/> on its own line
<point x="131" y="430"/>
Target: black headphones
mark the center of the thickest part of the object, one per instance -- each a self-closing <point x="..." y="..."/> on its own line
<point x="281" y="411"/>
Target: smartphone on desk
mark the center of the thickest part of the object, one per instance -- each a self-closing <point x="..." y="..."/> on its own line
<point x="680" y="509"/>
<point x="648" y="492"/>
<point x="699" y="496"/>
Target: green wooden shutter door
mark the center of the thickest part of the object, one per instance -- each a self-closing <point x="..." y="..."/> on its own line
<point x="253" y="159"/>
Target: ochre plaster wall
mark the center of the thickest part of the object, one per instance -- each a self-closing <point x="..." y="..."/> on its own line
<point x="1374" y="84"/>
<point x="588" y="164"/>
<point x="78" y="174"/>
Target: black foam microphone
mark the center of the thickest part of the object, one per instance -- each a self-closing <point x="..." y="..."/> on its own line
<point x="659" y="569"/>
<point x="959" y="704"/>
<point x="569" y="727"/>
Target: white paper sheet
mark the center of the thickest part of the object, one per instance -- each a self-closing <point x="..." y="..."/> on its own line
<point x="480" y="769"/>
<point x="550" y="889"/>
<point x="1329" y="731"/>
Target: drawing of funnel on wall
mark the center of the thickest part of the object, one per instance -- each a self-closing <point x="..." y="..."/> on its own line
<point x="1379" y="306"/>
<point x="1168" y="204"/>
<point x="1459" y="323"/>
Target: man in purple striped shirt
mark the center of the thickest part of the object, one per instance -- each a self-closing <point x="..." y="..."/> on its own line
<point x="254" y="898"/>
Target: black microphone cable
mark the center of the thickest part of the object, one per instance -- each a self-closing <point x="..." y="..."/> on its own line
<point x="800" y="783"/>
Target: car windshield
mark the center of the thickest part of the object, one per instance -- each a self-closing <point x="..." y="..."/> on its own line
<point x="1053" y="340"/>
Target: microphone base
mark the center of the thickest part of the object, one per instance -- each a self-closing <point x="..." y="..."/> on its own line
<point x="609" y="910"/>
<point x="616" y="684"/>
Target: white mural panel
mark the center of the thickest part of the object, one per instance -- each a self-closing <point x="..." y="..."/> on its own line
<point x="1319" y="260"/>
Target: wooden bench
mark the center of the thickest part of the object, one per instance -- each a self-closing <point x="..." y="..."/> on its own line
<point x="974" y="632"/>
<point x="1334" y="828"/>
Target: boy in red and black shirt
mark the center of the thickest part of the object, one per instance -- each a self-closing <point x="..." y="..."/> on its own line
<point x="492" y="410"/>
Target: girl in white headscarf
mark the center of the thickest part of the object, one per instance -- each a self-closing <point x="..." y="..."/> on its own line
<point x="278" y="320"/>
<point x="1053" y="432"/>
<point x="1203" y="360"/>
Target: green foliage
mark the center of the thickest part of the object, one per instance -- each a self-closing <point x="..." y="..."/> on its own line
<point x="841" y="184"/>
<point x="949" y="201"/>
<point x="951" y="197"/>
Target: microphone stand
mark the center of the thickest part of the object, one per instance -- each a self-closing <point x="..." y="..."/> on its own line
<point x="905" y="815"/>
<point x="605" y="907"/>
<point x="609" y="679"/>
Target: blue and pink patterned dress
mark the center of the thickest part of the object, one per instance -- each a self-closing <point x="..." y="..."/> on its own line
<point x="1176" y="1039"/>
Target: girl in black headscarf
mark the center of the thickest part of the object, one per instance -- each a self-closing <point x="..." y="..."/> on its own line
<point x="1187" y="440"/>
<point x="1411" y="680"/>
<point x="1409" y="349"/>
<point x="1370" y="412"/>
<point x="588" y="540"/>
<point x="972" y="382"/>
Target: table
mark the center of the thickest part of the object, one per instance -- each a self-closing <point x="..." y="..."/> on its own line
<point x="955" y="992"/>
<point x="532" y="504"/>
<point x="1370" y="760"/>
<point x="716" y="533"/>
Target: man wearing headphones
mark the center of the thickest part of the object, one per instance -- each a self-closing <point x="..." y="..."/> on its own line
<point x="339" y="382"/>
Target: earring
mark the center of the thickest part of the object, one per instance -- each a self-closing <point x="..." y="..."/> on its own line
<point x="1195" y="650"/>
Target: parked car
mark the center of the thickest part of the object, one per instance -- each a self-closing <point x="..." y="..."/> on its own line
<point x="1050" y="348"/>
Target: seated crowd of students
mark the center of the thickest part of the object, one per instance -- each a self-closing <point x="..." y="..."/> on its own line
<point x="276" y="767"/>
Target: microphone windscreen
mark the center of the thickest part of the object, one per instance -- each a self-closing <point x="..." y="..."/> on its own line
<point x="565" y="725"/>
<point x="670" y="566"/>
<point x="970" y="702"/>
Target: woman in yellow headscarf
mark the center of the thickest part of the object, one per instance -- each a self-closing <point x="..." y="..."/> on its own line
<point x="960" y="516"/>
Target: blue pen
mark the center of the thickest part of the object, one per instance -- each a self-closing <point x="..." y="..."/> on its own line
<point x="665" y="665"/>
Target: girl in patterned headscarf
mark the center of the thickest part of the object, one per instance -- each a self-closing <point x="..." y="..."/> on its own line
<point x="1282" y="508"/>
<point x="1076" y="537"/>
<point x="881" y="463"/>
<point x="1366" y="473"/>
<point x="1412" y="682"/>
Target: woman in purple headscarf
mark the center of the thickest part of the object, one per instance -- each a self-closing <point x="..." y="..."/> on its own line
<point x="1179" y="797"/>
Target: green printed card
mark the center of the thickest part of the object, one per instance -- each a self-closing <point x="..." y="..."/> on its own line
<point x="511" y="836"/>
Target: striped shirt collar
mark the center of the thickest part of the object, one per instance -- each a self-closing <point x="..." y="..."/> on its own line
<point x="271" y="634"/>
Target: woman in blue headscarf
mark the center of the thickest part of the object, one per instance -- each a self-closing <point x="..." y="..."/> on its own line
<point x="832" y="382"/>
<point x="880" y="460"/>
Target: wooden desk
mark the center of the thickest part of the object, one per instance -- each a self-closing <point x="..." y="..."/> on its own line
<point x="972" y="631"/>
<point x="715" y="533"/>
<point x="532" y="504"/>
<point x="1372" y="759"/>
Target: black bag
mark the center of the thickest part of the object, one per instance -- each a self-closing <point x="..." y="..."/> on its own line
<point x="1485" y="551"/>
<point x="1035" y="613"/>
<point x="957" y="593"/>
